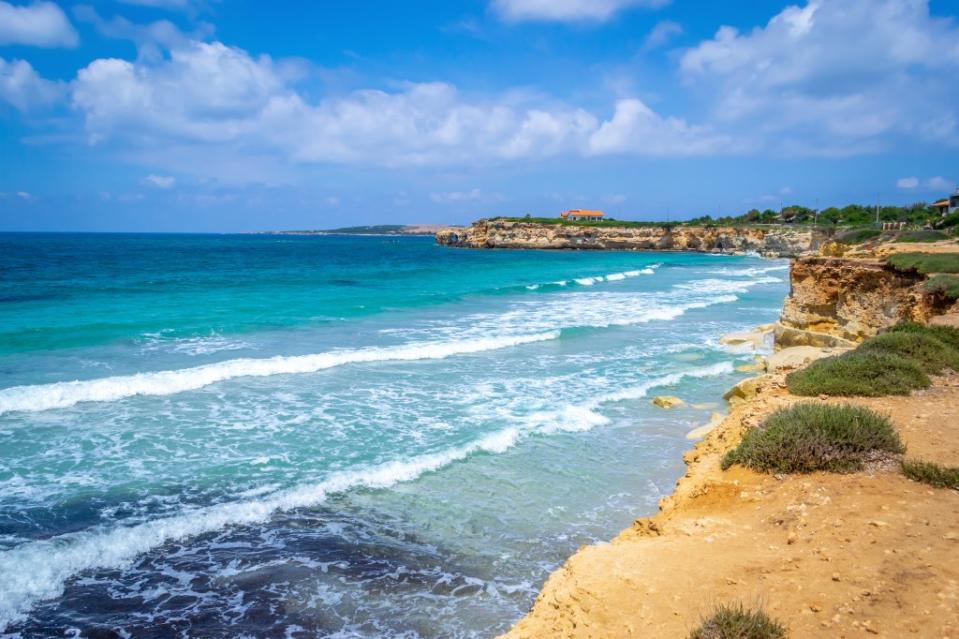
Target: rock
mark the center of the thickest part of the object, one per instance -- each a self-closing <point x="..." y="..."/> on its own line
<point x="714" y="420"/>
<point x="772" y="242"/>
<point x="744" y="390"/>
<point x="755" y="338"/>
<point x="758" y="366"/>
<point x="667" y="401"/>
<point x="798" y="356"/>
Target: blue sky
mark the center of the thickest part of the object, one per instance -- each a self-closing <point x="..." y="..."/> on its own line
<point x="226" y="115"/>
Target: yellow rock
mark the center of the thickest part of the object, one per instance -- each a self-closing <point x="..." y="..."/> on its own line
<point x="667" y="401"/>
<point x="744" y="390"/>
<point x="697" y="433"/>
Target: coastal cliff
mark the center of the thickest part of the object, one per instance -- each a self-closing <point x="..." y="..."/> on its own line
<point x="839" y="301"/>
<point x="769" y="242"/>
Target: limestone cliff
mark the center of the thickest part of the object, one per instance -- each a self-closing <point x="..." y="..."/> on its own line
<point x="772" y="242"/>
<point x="840" y="301"/>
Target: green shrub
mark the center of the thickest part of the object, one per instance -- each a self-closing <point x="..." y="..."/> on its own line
<point x="858" y="374"/>
<point x="922" y="236"/>
<point x="808" y="437"/>
<point x="858" y="236"/>
<point x="945" y="334"/>
<point x="931" y="354"/>
<point x="946" y="286"/>
<point x="930" y="473"/>
<point x="925" y="263"/>
<point x="735" y="622"/>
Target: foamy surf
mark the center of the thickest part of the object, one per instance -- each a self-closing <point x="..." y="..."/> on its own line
<point x="37" y="571"/>
<point x="65" y="394"/>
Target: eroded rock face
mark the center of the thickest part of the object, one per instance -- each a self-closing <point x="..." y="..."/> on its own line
<point x="774" y="242"/>
<point x="837" y="302"/>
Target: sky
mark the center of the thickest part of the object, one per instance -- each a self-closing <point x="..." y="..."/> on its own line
<point x="235" y="115"/>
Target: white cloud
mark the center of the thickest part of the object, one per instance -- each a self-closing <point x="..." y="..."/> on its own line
<point x="635" y="128"/>
<point x="21" y="86"/>
<point x="662" y="33"/>
<point x="23" y="195"/>
<point x="160" y="181"/>
<point x="209" y="94"/>
<point x="833" y="77"/>
<point x="940" y="183"/>
<point x="41" y="24"/>
<point x="456" y="196"/>
<point x="907" y="183"/>
<point x="566" y="10"/>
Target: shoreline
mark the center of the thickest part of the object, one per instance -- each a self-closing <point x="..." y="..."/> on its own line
<point x="819" y="552"/>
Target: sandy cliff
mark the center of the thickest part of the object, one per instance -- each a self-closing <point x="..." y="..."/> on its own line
<point x="839" y="301"/>
<point x="773" y="242"/>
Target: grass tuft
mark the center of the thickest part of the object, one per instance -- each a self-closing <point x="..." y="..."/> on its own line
<point x="922" y="347"/>
<point x="933" y="474"/>
<point x="858" y="236"/>
<point x="735" y="622"/>
<point x="808" y="437"/>
<point x="862" y="374"/>
<point x="925" y="263"/>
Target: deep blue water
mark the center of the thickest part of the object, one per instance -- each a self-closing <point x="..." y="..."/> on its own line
<point x="223" y="436"/>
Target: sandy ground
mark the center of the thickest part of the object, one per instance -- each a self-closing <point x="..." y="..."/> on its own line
<point x="867" y="554"/>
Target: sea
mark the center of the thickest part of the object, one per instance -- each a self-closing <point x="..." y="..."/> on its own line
<point x="338" y="436"/>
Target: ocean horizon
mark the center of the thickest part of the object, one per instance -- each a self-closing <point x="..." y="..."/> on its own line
<point x="228" y="435"/>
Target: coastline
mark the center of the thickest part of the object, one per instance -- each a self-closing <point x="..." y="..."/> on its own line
<point x="829" y="555"/>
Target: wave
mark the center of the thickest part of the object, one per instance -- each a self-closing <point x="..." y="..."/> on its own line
<point x="595" y="279"/>
<point x="41" y="397"/>
<point x="38" y="570"/>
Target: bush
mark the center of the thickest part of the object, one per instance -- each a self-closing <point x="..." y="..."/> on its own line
<point x="945" y="334"/>
<point x="946" y="286"/>
<point x="931" y="354"/>
<point x="735" y="622"/>
<point x="925" y="263"/>
<point x="808" y="437"/>
<point x="858" y="374"/>
<point x="932" y="474"/>
<point x="922" y="236"/>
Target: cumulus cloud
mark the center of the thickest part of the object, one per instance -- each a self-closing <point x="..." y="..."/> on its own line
<point x="937" y="183"/>
<point x="170" y="5"/>
<point x="566" y="10"/>
<point x="456" y="196"/>
<point x="22" y="86"/>
<point x="209" y="93"/>
<point x="907" y="183"/>
<point x="661" y="34"/>
<point x="41" y="24"/>
<point x="834" y="76"/>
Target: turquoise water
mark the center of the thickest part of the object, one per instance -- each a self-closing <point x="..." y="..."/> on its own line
<point x="222" y="436"/>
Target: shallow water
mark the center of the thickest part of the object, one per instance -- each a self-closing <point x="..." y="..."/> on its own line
<point x="226" y="436"/>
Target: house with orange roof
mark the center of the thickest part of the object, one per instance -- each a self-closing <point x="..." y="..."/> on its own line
<point x="947" y="205"/>
<point x="582" y="215"/>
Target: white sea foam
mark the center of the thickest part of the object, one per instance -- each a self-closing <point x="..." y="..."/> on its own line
<point x="615" y="277"/>
<point x="586" y="281"/>
<point x="63" y="394"/>
<point x="38" y="570"/>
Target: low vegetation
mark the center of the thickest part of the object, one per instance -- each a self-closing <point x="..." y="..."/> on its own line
<point x="930" y="353"/>
<point x="858" y="236"/>
<point x="944" y="285"/>
<point x="924" y="235"/>
<point x="561" y="222"/>
<point x="810" y="437"/>
<point x="894" y="363"/>
<point x="945" y="334"/>
<point x="858" y="374"/>
<point x="925" y="263"/>
<point x="933" y="474"/>
<point x="735" y="622"/>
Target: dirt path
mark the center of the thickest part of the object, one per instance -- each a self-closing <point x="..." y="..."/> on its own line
<point x="868" y="554"/>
